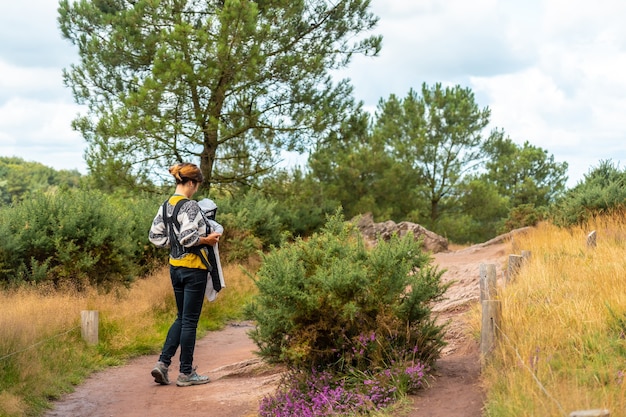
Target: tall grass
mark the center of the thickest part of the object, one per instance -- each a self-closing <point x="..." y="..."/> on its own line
<point x="563" y="342"/>
<point x="43" y="356"/>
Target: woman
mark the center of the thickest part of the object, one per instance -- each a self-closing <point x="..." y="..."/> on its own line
<point x="180" y="225"/>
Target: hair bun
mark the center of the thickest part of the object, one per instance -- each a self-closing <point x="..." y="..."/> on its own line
<point x="186" y="171"/>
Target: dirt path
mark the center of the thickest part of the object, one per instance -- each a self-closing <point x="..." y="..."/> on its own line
<point x="239" y="380"/>
<point x="456" y="390"/>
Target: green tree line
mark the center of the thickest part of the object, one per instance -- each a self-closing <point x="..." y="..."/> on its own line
<point x="60" y="228"/>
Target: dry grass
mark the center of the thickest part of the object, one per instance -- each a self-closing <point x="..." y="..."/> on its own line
<point x="563" y="325"/>
<point x="29" y="315"/>
<point x="41" y="351"/>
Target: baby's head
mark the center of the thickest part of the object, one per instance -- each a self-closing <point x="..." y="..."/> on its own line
<point x="208" y="207"/>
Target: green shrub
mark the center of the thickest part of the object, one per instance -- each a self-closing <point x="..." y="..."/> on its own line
<point x="302" y="203"/>
<point x="602" y="191"/>
<point x="139" y="213"/>
<point x="522" y="216"/>
<point x="253" y="222"/>
<point x="238" y="243"/>
<point x="323" y="301"/>
<point x="463" y="229"/>
<point x="71" y="237"/>
<point x="252" y="214"/>
<point x="304" y="219"/>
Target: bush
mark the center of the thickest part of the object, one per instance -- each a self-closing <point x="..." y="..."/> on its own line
<point x="602" y="191"/>
<point x="253" y="215"/>
<point x="71" y="237"/>
<point x="522" y="216"/>
<point x="238" y="243"/>
<point x="321" y="300"/>
<point x="139" y="212"/>
<point x="302" y="204"/>
<point x="463" y="229"/>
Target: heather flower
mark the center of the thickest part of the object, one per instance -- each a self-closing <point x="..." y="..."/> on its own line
<point x="322" y="394"/>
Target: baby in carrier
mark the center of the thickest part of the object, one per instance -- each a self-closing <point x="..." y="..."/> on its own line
<point x="216" y="277"/>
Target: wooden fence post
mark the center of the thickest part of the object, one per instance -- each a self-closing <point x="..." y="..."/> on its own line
<point x="488" y="282"/>
<point x="89" y="326"/>
<point x="590" y="413"/>
<point x="489" y="327"/>
<point x="591" y="239"/>
<point x="515" y="263"/>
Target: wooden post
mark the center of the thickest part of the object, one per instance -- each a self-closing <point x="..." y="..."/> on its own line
<point x="590" y="413"/>
<point x="89" y="326"/>
<point x="489" y="326"/>
<point x="488" y="282"/>
<point x="591" y="239"/>
<point x="515" y="263"/>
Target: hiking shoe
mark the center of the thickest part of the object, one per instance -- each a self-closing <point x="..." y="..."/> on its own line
<point x="185" y="380"/>
<point x="159" y="372"/>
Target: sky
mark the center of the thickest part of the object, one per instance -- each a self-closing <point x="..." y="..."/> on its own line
<point x="552" y="73"/>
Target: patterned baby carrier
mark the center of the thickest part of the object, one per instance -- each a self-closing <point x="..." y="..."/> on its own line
<point x="176" y="249"/>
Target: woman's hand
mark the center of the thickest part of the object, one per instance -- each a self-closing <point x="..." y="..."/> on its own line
<point x="211" y="239"/>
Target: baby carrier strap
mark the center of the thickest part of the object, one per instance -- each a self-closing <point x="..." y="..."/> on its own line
<point x="176" y="249"/>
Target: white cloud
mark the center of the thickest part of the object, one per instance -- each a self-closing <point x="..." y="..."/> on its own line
<point x="40" y="131"/>
<point x="37" y="82"/>
<point x="35" y="108"/>
<point x="30" y="35"/>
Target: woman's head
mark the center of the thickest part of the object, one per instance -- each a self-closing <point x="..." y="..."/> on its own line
<point x="185" y="172"/>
